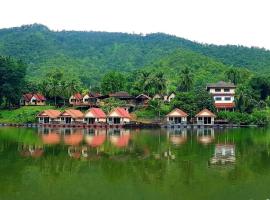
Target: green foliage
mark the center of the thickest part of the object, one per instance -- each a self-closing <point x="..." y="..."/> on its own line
<point x="12" y="74"/>
<point x="109" y="104"/>
<point x="186" y="81"/>
<point x="113" y="82"/>
<point x="257" y="117"/>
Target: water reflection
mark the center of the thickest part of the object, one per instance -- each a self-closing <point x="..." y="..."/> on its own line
<point x="177" y="136"/>
<point x="34" y="151"/>
<point x="224" y="154"/>
<point x="205" y="135"/>
<point x="119" y="137"/>
<point x="95" y="137"/>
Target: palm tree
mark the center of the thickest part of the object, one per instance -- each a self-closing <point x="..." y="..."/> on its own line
<point x="186" y="81"/>
<point x="233" y="75"/>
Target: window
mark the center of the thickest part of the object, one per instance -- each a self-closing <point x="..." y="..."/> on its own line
<point x="41" y="118"/>
<point x="227" y="98"/>
<point x="218" y="98"/>
<point x="217" y="90"/>
<point x="199" y="118"/>
<point x="170" y="119"/>
<point x="226" y="90"/>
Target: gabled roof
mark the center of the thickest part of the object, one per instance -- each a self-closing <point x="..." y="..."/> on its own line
<point x="143" y="96"/>
<point x="72" y="113"/>
<point x="78" y="96"/>
<point x="221" y="84"/>
<point x="121" y="112"/>
<point x="205" y="113"/>
<point x="38" y="96"/>
<point x="97" y="112"/>
<point x="177" y="113"/>
<point x="94" y="94"/>
<point x="49" y="113"/>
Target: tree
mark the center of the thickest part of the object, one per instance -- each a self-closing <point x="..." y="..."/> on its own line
<point x="112" y="82"/>
<point x="12" y="80"/>
<point x="261" y="85"/>
<point x="233" y="75"/>
<point x="186" y="80"/>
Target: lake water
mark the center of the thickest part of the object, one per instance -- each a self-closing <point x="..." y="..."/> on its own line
<point x="79" y="164"/>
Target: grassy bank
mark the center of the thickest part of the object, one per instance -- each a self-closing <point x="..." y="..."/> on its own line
<point x="25" y="114"/>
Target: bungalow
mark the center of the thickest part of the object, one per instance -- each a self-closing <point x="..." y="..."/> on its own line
<point x="33" y="100"/>
<point x="76" y="99"/>
<point x="49" y="117"/>
<point x="142" y="100"/>
<point x="205" y="117"/>
<point x="118" y="116"/>
<point x="94" y="116"/>
<point x="170" y="97"/>
<point x="71" y="116"/>
<point x="177" y="116"/>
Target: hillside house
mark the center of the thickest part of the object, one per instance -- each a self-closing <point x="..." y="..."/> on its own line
<point x="33" y="99"/>
<point x="142" y="100"/>
<point x="223" y="94"/>
<point x="76" y="99"/>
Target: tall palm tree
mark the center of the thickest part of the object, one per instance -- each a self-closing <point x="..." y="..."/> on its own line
<point x="186" y="81"/>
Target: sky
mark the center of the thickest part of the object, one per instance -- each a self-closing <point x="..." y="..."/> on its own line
<point x="239" y="22"/>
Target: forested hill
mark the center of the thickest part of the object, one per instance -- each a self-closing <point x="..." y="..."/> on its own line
<point x="90" y="54"/>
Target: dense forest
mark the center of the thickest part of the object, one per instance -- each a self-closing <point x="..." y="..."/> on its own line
<point x="88" y="55"/>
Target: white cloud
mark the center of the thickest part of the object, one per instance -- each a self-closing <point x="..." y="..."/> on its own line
<point x="210" y="21"/>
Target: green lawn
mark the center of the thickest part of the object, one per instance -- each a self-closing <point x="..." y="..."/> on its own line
<point x="25" y="114"/>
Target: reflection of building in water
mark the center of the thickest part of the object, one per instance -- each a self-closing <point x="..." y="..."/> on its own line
<point x="74" y="152"/>
<point x="224" y="154"/>
<point x="95" y="137"/>
<point x="34" y="151"/>
<point x="119" y="137"/>
<point x="72" y="136"/>
<point x="49" y="135"/>
<point x="205" y="135"/>
<point x="177" y="136"/>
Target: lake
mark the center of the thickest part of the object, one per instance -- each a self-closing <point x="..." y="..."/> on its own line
<point x="44" y="163"/>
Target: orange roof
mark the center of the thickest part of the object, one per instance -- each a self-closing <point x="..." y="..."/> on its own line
<point x="205" y="113"/>
<point x="177" y="113"/>
<point x="38" y="96"/>
<point x="225" y="105"/>
<point x="121" y="112"/>
<point x="73" y="113"/>
<point x="78" y="96"/>
<point x="49" y="113"/>
<point x="97" y="112"/>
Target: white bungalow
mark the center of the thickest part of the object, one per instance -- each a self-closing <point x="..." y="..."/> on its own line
<point x="94" y="116"/>
<point x="49" y="117"/>
<point x="71" y="116"/>
<point x="177" y="116"/>
<point x="118" y="116"/>
<point x="205" y="117"/>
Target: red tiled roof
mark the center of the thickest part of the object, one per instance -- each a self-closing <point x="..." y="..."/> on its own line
<point x="97" y="112"/>
<point x="221" y="84"/>
<point x="49" y="113"/>
<point x="180" y="113"/>
<point x="38" y="96"/>
<point x="121" y="112"/>
<point x="73" y="113"/>
<point x="209" y="113"/>
<point x="225" y="105"/>
<point x="78" y="96"/>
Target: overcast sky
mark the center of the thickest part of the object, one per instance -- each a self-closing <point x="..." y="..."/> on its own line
<point x="245" y="22"/>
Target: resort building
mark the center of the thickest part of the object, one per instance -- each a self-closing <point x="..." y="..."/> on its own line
<point x="33" y="100"/>
<point x="142" y="100"/>
<point x="91" y="99"/>
<point x="118" y="116"/>
<point x="71" y="116"/>
<point x="170" y="97"/>
<point x="76" y="99"/>
<point x="177" y="116"/>
<point x="205" y="117"/>
<point x="49" y="117"/>
<point x="94" y="116"/>
<point x="223" y="94"/>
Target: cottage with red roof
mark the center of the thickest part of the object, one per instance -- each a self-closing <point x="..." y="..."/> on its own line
<point x="32" y="99"/>
<point x="71" y="116"/>
<point x="177" y="116"/>
<point x="76" y="99"/>
<point x="49" y="117"/>
<point x="118" y="116"/>
<point x="205" y="117"/>
<point x="94" y="116"/>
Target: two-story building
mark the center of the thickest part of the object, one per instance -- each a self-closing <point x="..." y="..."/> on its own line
<point x="223" y="94"/>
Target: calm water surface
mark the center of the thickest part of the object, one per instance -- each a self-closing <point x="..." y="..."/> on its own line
<point x="79" y="164"/>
